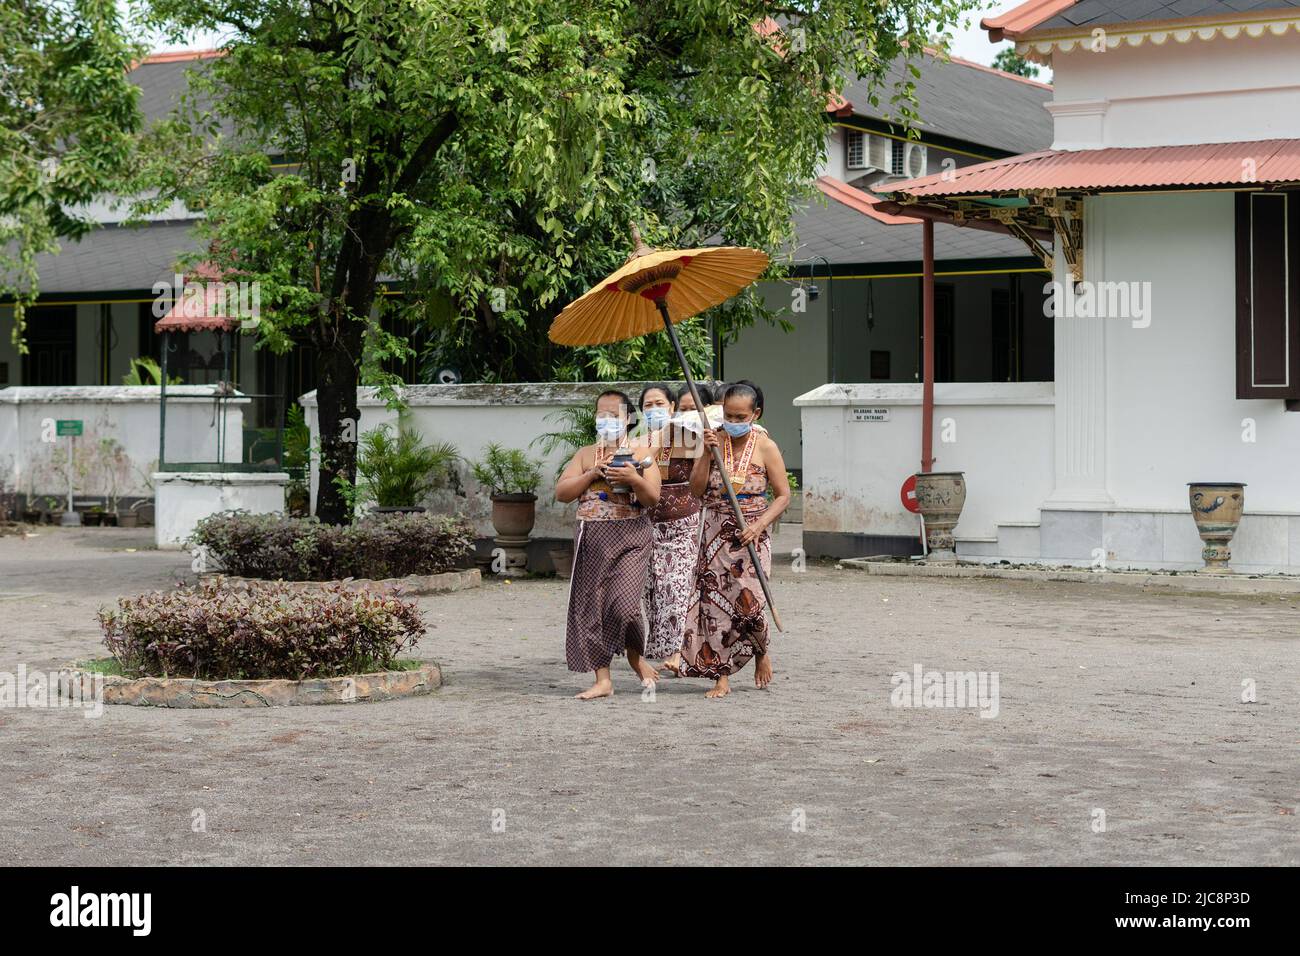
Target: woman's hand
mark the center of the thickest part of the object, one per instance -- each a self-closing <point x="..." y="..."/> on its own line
<point x="624" y="474"/>
<point x="753" y="531"/>
<point x="710" y="437"/>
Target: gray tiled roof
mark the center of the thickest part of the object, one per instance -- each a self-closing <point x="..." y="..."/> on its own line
<point x="845" y="236"/>
<point x="115" y="258"/>
<point x="1091" y="13"/>
<point x="968" y="103"/>
<point x="162" y="86"/>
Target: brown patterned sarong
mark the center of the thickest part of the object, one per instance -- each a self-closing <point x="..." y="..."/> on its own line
<point x="727" y="621"/>
<point x="610" y="561"/>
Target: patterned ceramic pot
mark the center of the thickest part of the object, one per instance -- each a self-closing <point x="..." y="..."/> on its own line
<point x="941" y="495"/>
<point x="1216" y="509"/>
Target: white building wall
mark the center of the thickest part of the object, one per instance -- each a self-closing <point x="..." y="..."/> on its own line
<point x="1000" y="434"/>
<point x="1173" y="416"/>
<point x="471" y="416"/>
<point x="127" y="414"/>
<point x="1200" y="91"/>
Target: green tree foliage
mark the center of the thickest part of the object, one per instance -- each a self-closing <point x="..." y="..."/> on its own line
<point x="1009" y="61"/>
<point x="67" y="117"/>
<point x="490" y="156"/>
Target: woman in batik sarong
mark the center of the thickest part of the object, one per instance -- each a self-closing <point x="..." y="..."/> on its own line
<point x="611" y="548"/>
<point x="676" y="523"/>
<point x="727" y="623"/>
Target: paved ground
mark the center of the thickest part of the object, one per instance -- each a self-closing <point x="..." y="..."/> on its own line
<point x="1110" y="700"/>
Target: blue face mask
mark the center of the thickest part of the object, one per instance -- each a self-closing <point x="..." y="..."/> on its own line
<point x="656" y="417"/>
<point x="609" y="429"/>
<point x="736" y="429"/>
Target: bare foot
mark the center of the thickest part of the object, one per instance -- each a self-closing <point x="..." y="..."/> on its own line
<point x="673" y="665"/>
<point x="721" y="689"/>
<point x="604" y="687"/>
<point x="762" y="671"/>
<point x="644" y="669"/>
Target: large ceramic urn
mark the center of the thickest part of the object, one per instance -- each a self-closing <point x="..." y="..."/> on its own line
<point x="1216" y="509"/>
<point x="940" y="495"/>
<point x="513" y="517"/>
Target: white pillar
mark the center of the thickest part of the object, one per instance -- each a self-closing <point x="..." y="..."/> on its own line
<point x="1080" y="372"/>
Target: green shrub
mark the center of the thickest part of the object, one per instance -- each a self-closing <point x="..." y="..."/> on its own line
<point x="302" y="549"/>
<point x="397" y="471"/>
<point x="266" y="630"/>
<point x="507" y="471"/>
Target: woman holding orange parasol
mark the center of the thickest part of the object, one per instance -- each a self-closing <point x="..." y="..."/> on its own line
<point x="727" y="624"/>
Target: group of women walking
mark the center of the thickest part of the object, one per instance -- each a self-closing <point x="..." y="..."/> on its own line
<point x="656" y="527"/>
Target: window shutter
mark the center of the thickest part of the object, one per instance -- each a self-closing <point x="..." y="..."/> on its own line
<point x="1268" y="295"/>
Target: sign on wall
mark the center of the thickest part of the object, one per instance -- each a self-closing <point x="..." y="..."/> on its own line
<point x="67" y="426"/>
<point x="861" y="414"/>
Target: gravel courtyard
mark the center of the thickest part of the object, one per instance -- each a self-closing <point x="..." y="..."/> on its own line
<point x="1111" y="701"/>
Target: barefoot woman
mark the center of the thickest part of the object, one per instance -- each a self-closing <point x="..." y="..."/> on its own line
<point x="676" y="522"/>
<point x="727" y="624"/>
<point x="611" y="549"/>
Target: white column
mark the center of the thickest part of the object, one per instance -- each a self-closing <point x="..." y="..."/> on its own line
<point x="1080" y="372"/>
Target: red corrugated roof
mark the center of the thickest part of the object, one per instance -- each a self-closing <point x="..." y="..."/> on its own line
<point x="1203" y="164"/>
<point x="859" y="201"/>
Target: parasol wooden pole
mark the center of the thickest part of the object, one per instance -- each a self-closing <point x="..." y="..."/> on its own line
<point x="717" y="457"/>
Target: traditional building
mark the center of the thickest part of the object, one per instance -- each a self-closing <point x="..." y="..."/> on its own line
<point x="1168" y="196"/>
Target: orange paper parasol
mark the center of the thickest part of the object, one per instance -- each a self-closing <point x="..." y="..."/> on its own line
<point x="653" y="290"/>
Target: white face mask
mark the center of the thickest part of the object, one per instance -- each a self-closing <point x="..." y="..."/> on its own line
<point x="609" y="428"/>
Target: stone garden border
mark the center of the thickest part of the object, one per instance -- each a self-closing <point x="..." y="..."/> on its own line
<point x="189" y="693"/>
<point x="1189" y="582"/>
<point x="413" y="584"/>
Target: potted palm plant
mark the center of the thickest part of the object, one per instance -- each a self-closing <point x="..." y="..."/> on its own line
<point x="396" y="471"/>
<point x="511" y="479"/>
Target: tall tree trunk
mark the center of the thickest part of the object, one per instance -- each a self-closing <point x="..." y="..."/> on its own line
<point x="337" y="362"/>
<point x="340" y="335"/>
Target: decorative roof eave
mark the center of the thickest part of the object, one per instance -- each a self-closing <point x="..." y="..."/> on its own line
<point x="1039" y="47"/>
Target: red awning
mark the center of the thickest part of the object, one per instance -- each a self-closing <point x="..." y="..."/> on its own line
<point x="202" y="305"/>
<point x="1264" y="162"/>
<point x="860" y="201"/>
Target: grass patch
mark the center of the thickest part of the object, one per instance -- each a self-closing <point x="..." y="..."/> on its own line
<point x="108" y="666"/>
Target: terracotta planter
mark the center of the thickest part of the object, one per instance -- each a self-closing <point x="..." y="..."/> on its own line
<point x="32" y="515"/>
<point x="513" y="516"/>
<point x="127" y="519"/>
<point x="941" y="495"/>
<point x="562" y="558"/>
<point x="1216" y="509"/>
<point x="92" y="519"/>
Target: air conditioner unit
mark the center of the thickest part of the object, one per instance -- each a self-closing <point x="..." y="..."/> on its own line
<point x="908" y="160"/>
<point x="866" y="151"/>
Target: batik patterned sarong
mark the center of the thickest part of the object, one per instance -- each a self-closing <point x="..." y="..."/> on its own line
<point x="726" y="623"/>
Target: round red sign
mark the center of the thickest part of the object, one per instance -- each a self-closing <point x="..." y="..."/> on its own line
<point x="908" y="495"/>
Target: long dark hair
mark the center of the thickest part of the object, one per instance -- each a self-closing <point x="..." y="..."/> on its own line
<point x="744" y="388"/>
<point x="706" y="394"/>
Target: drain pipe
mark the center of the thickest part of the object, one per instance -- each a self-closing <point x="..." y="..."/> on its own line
<point x="927" y="345"/>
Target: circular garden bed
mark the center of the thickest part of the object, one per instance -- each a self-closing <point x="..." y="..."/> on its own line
<point x="410" y="679"/>
<point x="258" y="644"/>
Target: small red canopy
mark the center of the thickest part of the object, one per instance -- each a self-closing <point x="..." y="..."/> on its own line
<point x="202" y="305"/>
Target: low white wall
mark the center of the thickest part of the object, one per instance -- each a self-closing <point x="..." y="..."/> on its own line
<point x="127" y="414"/>
<point x="470" y="417"/>
<point x="999" y="434"/>
<point x="186" y="498"/>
